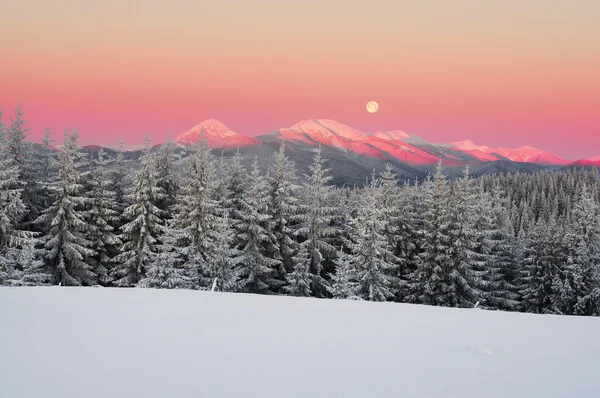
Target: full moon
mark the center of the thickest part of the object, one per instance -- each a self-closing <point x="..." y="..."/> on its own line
<point x="372" y="106"/>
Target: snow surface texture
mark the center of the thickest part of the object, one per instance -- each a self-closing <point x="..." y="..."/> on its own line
<point x="86" y="342"/>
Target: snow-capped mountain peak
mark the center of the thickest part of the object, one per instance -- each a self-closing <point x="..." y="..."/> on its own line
<point x="217" y="134"/>
<point x="468" y="145"/>
<point x="328" y="127"/>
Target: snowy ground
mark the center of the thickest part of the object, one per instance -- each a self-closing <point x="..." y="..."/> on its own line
<point x="86" y="342"/>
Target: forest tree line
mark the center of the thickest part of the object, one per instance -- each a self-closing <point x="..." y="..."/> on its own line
<point x="517" y="242"/>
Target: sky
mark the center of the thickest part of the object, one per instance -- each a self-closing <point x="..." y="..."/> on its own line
<point x="498" y="72"/>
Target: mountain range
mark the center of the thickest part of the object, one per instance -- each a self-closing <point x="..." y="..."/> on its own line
<point x="352" y="155"/>
<point x="399" y="145"/>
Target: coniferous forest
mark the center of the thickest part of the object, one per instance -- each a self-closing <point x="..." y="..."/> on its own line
<point x="519" y="242"/>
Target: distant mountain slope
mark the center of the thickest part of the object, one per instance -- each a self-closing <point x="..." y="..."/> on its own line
<point x="522" y="154"/>
<point x="217" y="134"/>
<point x="352" y="155"/>
<point x="588" y="162"/>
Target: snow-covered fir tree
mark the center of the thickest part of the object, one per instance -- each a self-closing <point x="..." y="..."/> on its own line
<point x="466" y="272"/>
<point x="236" y="186"/>
<point x="371" y="263"/>
<point x="283" y="206"/>
<point x="256" y="270"/>
<point x="316" y="215"/>
<point x="28" y="165"/>
<point x="539" y="283"/>
<point x="142" y="225"/>
<point x="166" y="269"/>
<point x="17" y="132"/>
<point x="445" y="275"/>
<point x="31" y="271"/>
<point x="12" y="211"/>
<point x="497" y="248"/>
<point x="101" y="216"/>
<point x="119" y="178"/>
<point x="166" y="180"/>
<point x="581" y="274"/>
<point x="65" y="242"/>
<point x="343" y="281"/>
<point x="48" y="173"/>
<point x="198" y="216"/>
<point x="399" y="216"/>
<point x="222" y="260"/>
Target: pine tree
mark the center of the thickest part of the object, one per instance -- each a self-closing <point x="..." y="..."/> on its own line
<point x="166" y="179"/>
<point x="140" y="232"/>
<point x="12" y="208"/>
<point x="371" y="262"/>
<point x="540" y="285"/>
<point x="283" y="206"/>
<point x="101" y="217"/>
<point x="447" y="274"/>
<point x="67" y="248"/>
<point x="199" y="216"/>
<point x="223" y="259"/>
<point x="33" y="272"/>
<point x="316" y="215"/>
<point x="118" y="178"/>
<point x="167" y="270"/>
<point x="398" y="215"/>
<point x="497" y="248"/>
<point x="48" y="172"/>
<point x="256" y="270"/>
<point x="27" y="168"/>
<point x="343" y="281"/>
<point x="16" y="137"/>
<point x="236" y="188"/>
<point x="581" y="274"/>
<point x="428" y="280"/>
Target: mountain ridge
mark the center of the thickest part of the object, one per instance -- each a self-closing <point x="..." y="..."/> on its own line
<point x="396" y="144"/>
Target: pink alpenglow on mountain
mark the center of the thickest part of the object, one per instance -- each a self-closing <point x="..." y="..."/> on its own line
<point x="217" y="134"/>
<point x="589" y="162"/>
<point x="330" y="133"/>
<point x="378" y="145"/>
<point x="396" y="135"/>
<point x="523" y="154"/>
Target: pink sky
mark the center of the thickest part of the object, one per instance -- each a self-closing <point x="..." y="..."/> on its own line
<point x="498" y="72"/>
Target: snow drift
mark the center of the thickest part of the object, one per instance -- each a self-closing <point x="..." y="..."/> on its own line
<point x="85" y="342"/>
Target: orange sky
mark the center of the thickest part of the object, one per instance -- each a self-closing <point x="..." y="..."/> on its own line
<point x="501" y="73"/>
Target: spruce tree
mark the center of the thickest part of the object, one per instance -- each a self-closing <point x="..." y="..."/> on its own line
<point x="446" y="273"/>
<point x="283" y="206"/>
<point x="102" y="216"/>
<point x="166" y="269"/>
<point x="12" y="210"/>
<point x="142" y="227"/>
<point x="497" y="248"/>
<point x="119" y="179"/>
<point x="371" y="263"/>
<point x="257" y="271"/>
<point x="32" y="270"/>
<point x="223" y="259"/>
<point x="316" y="215"/>
<point x="166" y="179"/>
<point x="343" y="281"/>
<point x="428" y="280"/>
<point x="199" y="217"/>
<point x="17" y="133"/>
<point x="539" y="283"/>
<point x="581" y="274"/>
<point x="67" y="248"/>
